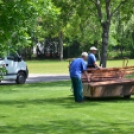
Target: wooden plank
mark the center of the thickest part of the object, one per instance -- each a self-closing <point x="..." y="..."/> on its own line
<point x="112" y="82"/>
<point x="86" y="90"/>
<point x="108" y="90"/>
<point x="112" y="90"/>
<point x="103" y="79"/>
<point x="129" y="68"/>
<point x="108" y="74"/>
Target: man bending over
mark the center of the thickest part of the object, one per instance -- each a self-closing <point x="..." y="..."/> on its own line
<point x="77" y="67"/>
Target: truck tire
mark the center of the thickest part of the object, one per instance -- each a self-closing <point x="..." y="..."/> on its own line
<point x="21" y="78"/>
<point x="127" y="96"/>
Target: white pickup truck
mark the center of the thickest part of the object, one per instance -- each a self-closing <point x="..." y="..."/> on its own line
<point x="16" y="68"/>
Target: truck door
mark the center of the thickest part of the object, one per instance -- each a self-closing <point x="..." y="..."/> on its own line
<point x="12" y="64"/>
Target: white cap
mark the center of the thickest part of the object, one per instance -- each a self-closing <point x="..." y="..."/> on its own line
<point x="84" y="54"/>
<point x="93" y="48"/>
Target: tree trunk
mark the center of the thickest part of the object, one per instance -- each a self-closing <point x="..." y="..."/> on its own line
<point x="68" y="53"/>
<point x="105" y="38"/>
<point x="61" y="45"/>
<point x="97" y="45"/>
<point x="121" y="50"/>
<point x="99" y="56"/>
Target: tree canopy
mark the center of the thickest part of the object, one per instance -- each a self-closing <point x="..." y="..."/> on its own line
<point x="96" y="22"/>
<point x="17" y="23"/>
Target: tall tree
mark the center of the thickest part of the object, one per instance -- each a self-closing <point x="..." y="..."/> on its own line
<point x="66" y="12"/>
<point x="100" y="13"/>
<point x="55" y="21"/>
<point x="105" y="10"/>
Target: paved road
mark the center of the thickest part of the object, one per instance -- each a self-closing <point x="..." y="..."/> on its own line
<point x="35" y="78"/>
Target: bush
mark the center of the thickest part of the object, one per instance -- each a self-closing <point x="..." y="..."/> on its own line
<point x="2" y="72"/>
<point x="117" y="54"/>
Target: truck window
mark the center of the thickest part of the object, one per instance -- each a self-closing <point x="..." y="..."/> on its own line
<point x="1" y="57"/>
<point x="12" y="56"/>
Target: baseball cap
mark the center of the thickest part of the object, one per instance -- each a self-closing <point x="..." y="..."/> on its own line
<point x="93" y="48"/>
<point x="84" y="54"/>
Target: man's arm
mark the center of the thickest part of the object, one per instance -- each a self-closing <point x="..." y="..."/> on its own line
<point x="86" y="74"/>
<point x="84" y="70"/>
<point x="97" y="66"/>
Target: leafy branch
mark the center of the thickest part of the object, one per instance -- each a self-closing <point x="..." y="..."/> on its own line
<point x="118" y="7"/>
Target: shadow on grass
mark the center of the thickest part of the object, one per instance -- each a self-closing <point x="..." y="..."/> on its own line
<point x="110" y="99"/>
<point x="66" y="102"/>
<point x="71" y="127"/>
<point x="38" y="85"/>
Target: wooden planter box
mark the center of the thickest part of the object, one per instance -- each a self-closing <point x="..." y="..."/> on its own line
<point x="109" y="83"/>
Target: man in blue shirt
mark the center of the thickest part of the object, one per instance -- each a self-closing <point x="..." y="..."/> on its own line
<point x="77" y="67"/>
<point x="92" y="59"/>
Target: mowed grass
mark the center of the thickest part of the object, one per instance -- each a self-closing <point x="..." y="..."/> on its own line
<point x="48" y="67"/>
<point x="57" y="67"/>
<point x="49" y="108"/>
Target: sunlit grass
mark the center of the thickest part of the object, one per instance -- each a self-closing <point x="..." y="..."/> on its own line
<point x="49" y="108"/>
<point x="48" y="67"/>
<point x="119" y="63"/>
<point x="57" y="67"/>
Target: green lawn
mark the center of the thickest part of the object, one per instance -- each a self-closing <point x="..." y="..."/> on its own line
<point x="49" y="108"/>
<point x="57" y="67"/>
<point x="48" y="67"/>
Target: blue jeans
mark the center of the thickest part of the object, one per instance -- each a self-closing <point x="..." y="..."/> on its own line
<point x="77" y="88"/>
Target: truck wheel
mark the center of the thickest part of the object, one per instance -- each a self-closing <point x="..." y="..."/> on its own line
<point x="21" y="78"/>
<point x="127" y="96"/>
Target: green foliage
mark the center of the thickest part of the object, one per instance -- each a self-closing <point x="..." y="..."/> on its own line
<point x="2" y="72"/>
<point x="48" y="16"/>
<point x="17" y="23"/>
<point x="24" y="21"/>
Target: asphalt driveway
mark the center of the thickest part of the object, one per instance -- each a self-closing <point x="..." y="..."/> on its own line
<point x="36" y="78"/>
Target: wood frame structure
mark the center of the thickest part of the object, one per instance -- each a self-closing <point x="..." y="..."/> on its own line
<point x="109" y="82"/>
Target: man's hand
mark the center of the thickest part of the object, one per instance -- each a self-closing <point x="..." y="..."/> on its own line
<point x="86" y="74"/>
<point x="88" y="79"/>
<point x="97" y="66"/>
